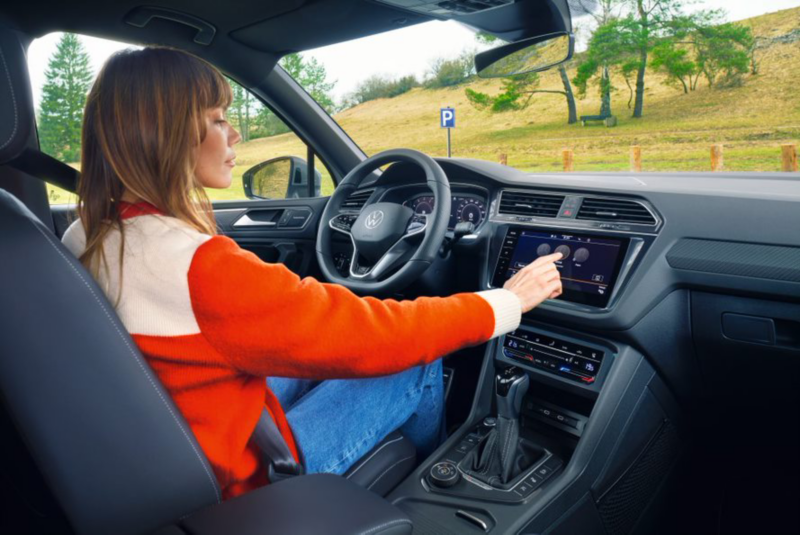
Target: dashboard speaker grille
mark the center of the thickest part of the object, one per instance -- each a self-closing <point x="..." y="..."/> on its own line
<point x="356" y="200"/>
<point x="530" y="204"/>
<point x="616" y="210"/>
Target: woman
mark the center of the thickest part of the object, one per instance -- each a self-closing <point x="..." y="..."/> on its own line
<point x="214" y="321"/>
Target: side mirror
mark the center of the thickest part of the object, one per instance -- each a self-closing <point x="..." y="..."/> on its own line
<point x="280" y="178"/>
<point x="529" y="55"/>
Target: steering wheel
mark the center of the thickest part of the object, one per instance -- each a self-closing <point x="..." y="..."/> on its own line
<point x="384" y="233"/>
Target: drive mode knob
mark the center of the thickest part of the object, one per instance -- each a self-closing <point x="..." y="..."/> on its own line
<point x="444" y="474"/>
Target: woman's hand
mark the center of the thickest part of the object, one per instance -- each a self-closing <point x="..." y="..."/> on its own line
<point x="536" y="282"/>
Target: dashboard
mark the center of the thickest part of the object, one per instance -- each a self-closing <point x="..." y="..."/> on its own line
<point x="632" y="239"/>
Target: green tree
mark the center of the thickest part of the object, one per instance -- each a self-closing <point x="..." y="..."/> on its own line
<point x="312" y="75"/>
<point x="515" y="87"/>
<point x="241" y="107"/>
<point x="676" y="62"/>
<point x="612" y="45"/>
<point x="602" y="12"/>
<point x="723" y="52"/>
<point x="68" y="78"/>
<point x="702" y="45"/>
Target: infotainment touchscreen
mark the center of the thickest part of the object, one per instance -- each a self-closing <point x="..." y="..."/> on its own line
<point x="589" y="266"/>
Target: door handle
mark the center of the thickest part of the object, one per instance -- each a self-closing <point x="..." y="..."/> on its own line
<point x="245" y="221"/>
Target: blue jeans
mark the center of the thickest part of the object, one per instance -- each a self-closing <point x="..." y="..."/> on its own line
<point x="335" y="422"/>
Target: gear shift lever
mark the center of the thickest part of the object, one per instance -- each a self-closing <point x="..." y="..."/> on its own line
<point x="511" y="385"/>
<point x="499" y="459"/>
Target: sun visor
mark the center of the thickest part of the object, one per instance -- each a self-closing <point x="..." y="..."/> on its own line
<point x="324" y="23"/>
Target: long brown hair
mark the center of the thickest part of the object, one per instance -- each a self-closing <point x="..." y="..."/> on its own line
<point x="144" y="119"/>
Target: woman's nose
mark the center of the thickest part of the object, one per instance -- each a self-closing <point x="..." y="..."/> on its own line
<point x="234" y="138"/>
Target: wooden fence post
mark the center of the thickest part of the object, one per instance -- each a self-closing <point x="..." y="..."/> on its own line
<point x="717" y="163"/>
<point x="789" y="158"/>
<point x="504" y="159"/>
<point x="636" y="159"/>
<point x="568" y="160"/>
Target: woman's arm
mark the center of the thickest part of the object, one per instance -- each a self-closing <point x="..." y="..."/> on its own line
<point x="267" y="321"/>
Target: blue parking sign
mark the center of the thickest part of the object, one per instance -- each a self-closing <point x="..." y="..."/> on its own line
<point x="447" y="117"/>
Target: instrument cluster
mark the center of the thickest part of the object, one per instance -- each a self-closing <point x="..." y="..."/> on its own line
<point x="464" y="207"/>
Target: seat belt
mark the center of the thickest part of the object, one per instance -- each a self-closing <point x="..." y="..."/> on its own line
<point x="281" y="464"/>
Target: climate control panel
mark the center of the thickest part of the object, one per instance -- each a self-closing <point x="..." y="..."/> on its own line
<point x="566" y="359"/>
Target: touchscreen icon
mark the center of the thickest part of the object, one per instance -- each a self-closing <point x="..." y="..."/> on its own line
<point x="564" y="250"/>
<point x="582" y="254"/>
<point x="543" y="249"/>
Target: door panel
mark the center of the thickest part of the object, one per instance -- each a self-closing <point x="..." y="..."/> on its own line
<point x="281" y="230"/>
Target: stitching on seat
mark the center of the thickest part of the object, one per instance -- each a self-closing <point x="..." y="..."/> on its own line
<point x="13" y="99"/>
<point x="387" y="470"/>
<point x="386" y="525"/>
<point x="373" y="455"/>
<point x="138" y="361"/>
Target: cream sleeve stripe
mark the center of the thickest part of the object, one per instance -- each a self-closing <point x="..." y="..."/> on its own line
<point x="507" y="309"/>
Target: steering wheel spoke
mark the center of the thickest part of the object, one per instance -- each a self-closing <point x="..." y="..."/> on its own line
<point x="402" y="250"/>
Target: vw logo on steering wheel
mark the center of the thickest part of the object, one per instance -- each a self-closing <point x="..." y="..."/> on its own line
<point x="374" y="219"/>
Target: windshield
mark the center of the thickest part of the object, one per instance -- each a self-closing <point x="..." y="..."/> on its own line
<point x="713" y="86"/>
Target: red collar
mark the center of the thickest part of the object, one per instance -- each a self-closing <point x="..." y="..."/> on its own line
<point x="128" y="210"/>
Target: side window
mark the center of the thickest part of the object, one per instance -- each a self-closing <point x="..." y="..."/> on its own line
<point x="270" y="159"/>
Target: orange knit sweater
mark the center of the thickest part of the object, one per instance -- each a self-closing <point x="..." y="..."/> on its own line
<point x="214" y="321"/>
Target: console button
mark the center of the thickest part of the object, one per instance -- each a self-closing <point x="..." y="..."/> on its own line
<point x="444" y="474"/>
<point x="464" y="447"/>
<point x="523" y="489"/>
<point x="543" y="471"/>
<point x="472" y="438"/>
<point x="534" y="480"/>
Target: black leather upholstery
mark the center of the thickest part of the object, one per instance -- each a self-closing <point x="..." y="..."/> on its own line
<point x="110" y="443"/>
<point x="386" y="465"/>
<point x="114" y="449"/>
<point x="304" y="505"/>
<point x="16" y="102"/>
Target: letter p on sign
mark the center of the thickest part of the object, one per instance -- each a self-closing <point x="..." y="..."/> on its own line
<point x="447" y="117"/>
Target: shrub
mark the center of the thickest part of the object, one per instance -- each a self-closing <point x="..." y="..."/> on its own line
<point x="378" y="86"/>
<point x="450" y="72"/>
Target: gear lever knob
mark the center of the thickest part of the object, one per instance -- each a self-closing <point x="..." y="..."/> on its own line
<point x="511" y="385"/>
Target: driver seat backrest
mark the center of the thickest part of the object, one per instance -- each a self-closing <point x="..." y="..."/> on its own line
<point x="111" y="444"/>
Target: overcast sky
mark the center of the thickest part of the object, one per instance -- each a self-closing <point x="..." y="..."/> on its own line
<point x="407" y="51"/>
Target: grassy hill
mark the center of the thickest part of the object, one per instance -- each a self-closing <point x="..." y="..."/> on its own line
<point x="751" y="121"/>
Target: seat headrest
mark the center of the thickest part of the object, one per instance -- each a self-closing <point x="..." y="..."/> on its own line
<point x="16" y="101"/>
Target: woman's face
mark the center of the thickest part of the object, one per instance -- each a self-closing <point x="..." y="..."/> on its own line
<point x="215" y="159"/>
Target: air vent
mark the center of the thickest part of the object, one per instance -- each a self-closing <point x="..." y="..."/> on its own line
<point x="615" y="210"/>
<point x="356" y="200"/>
<point x="530" y="204"/>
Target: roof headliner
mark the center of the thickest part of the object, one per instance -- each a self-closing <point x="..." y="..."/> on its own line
<point x="252" y="35"/>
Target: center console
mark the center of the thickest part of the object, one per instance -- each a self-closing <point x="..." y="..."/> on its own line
<point x="565" y="423"/>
